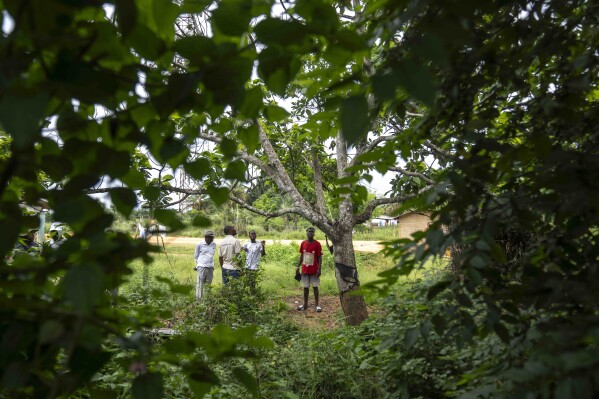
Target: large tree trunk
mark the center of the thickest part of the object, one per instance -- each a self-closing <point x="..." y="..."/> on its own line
<point x="354" y="306"/>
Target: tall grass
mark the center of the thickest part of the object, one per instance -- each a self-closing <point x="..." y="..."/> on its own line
<point x="305" y="362"/>
<point x="277" y="270"/>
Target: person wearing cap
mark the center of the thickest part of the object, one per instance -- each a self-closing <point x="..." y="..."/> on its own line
<point x="27" y="242"/>
<point x="310" y="262"/>
<point x="254" y="250"/>
<point x="228" y="254"/>
<point x="204" y="258"/>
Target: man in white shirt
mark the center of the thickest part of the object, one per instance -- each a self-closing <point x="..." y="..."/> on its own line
<point x="228" y="254"/>
<point x="254" y="250"/>
<point x="204" y="258"/>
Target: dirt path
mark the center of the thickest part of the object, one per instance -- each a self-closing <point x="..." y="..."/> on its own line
<point x="359" y="246"/>
<point x="330" y="318"/>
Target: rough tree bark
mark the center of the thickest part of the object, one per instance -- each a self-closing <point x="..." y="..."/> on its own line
<point x="346" y="273"/>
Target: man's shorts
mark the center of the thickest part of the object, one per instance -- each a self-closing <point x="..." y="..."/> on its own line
<point x="310" y="279"/>
<point x="205" y="274"/>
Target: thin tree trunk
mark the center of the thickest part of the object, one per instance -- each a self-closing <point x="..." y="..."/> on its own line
<point x="346" y="273"/>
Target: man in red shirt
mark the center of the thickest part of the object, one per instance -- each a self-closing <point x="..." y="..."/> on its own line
<point x="310" y="262"/>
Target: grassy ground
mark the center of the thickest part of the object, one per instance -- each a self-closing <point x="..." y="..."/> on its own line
<point x="300" y="339"/>
<point x="277" y="269"/>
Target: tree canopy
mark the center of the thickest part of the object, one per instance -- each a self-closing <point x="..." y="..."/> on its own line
<point x="503" y="94"/>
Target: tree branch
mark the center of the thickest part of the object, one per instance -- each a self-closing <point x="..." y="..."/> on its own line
<point x="437" y="150"/>
<point x="102" y="190"/>
<point x="406" y="172"/>
<point x="370" y="146"/>
<point x="320" y="203"/>
<point x="241" y="154"/>
<point x="346" y="208"/>
<point x="267" y="215"/>
<point x="284" y="183"/>
<point x="185" y="196"/>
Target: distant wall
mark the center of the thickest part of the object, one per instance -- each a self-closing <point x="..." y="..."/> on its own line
<point x="411" y="222"/>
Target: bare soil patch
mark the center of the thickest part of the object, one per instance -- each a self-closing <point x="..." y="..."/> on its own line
<point x="330" y="318"/>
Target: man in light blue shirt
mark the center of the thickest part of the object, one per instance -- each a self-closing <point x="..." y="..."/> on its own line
<point x="254" y="250"/>
<point x="204" y="258"/>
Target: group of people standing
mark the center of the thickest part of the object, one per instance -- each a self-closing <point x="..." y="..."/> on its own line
<point x="27" y="241"/>
<point x="309" y="266"/>
<point x="229" y="258"/>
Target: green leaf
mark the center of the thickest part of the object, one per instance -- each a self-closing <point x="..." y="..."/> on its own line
<point x="384" y="86"/>
<point x="228" y="147"/>
<point x="50" y="331"/>
<point x="223" y="126"/>
<point x="250" y="137"/>
<point x="124" y="199"/>
<point x="169" y="218"/>
<point x="219" y="195"/>
<point x="235" y="170"/>
<point x="201" y="221"/>
<point x="502" y="332"/>
<point x="197" y="49"/>
<point x="411" y="336"/>
<point x="418" y="81"/>
<point x="431" y="48"/>
<point x="147" y="386"/>
<point x="226" y="77"/>
<point x="439" y="324"/>
<point x="498" y="253"/>
<point x="434" y="238"/>
<point x="175" y="288"/>
<point x="277" y="68"/>
<point x="143" y="114"/>
<point x="354" y="118"/>
<point x="198" y="168"/>
<point x="146" y="43"/>
<point x="275" y="113"/>
<point x="84" y="286"/>
<point x="87" y="361"/>
<point x="359" y="194"/>
<point x="126" y="15"/>
<point x="173" y="151"/>
<point x="232" y="17"/>
<point x="164" y="14"/>
<point x="252" y="103"/>
<point x="437" y="288"/>
<point x="9" y="229"/>
<point x="56" y="166"/>
<point x="151" y="193"/>
<point x="134" y="179"/>
<point x="352" y="179"/>
<point x="320" y="16"/>
<point x="199" y="389"/>
<point x="246" y="380"/>
<point x="274" y="31"/>
<point x="21" y="116"/>
<point x="194" y="6"/>
<point x="76" y="211"/>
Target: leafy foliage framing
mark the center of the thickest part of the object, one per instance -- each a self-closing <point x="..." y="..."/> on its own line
<point x="506" y="89"/>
